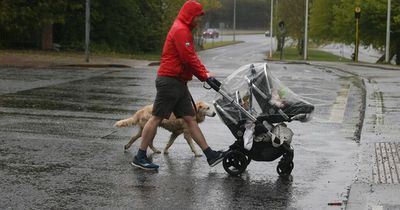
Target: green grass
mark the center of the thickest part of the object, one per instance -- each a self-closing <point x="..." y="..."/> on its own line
<point x="288" y="53"/>
<point x="313" y="55"/>
<point x="146" y="56"/>
<point x="138" y="56"/>
<point x="242" y="32"/>
<point x="210" y="44"/>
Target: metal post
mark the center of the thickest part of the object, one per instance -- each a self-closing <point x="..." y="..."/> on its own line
<point x="234" y="20"/>
<point x="281" y="47"/>
<point x="357" y="15"/>
<point x="306" y="32"/>
<point x="87" y="31"/>
<point x="281" y="25"/>
<point x="388" y="33"/>
<point x="271" y="28"/>
<point x="357" y="42"/>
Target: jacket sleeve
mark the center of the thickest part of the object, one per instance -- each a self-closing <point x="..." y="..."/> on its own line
<point x="184" y="45"/>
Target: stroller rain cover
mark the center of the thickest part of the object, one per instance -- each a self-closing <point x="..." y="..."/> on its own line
<point x="260" y="94"/>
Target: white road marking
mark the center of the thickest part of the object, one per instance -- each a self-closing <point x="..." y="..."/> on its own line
<point x="339" y="107"/>
<point x="379" y="120"/>
<point x="376" y="207"/>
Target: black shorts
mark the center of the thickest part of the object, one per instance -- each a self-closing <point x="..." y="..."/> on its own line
<point x="172" y="96"/>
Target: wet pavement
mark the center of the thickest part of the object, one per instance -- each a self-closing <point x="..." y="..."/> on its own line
<point x="59" y="149"/>
<point x="377" y="181"/>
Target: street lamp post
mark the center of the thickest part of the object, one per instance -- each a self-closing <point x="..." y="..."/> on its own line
<point x="306" y="32"/>
<point x="87" y="30"/>
<point x="357" y="13"/>
<point x="388" y="32"/>
<point x="234" y="20"/>
<point x="270" y="29"/>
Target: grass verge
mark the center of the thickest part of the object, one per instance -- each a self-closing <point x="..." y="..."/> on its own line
<point x="313" y="55"/>
<point x="211" y="44"/>
<point x="242" y="32"/>
<point x="79" y="54"/>
<point x="54" y="55"/>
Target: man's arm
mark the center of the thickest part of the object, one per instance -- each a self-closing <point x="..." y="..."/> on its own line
<point x="184" y="45"/>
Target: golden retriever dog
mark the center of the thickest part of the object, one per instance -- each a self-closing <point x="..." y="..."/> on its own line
<point x="176" y="126"/>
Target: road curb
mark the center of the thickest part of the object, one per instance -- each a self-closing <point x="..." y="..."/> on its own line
<point x="359" y="125"/>
<point x="392" y="68"/>
<point x="96" y="65"/>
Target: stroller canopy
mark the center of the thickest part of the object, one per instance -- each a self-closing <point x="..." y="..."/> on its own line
<point x="261" y="94"/>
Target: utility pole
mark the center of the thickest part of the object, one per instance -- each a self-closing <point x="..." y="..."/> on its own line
<point x="87" y="31"/>
<point x="388" y="33"/>
<point x="306" y="32"/>
<point x="357" y="13"/>
<point x="234" y="20"/>
<point x="282" y="29"/>
<point x="271" y="28"/>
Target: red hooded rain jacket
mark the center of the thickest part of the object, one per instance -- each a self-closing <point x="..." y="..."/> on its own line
<point x="179" y="58"/>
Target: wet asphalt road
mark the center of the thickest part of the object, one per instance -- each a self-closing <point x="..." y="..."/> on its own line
<point x="58" y="149"/>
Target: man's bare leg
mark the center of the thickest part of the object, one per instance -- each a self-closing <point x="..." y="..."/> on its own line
<point x="149" y="131"/>
<point x="213" y="157"/>
<point x="195" y="132"/>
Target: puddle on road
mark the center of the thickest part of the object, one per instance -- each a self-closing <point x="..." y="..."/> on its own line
<point x="14" y="102"/>
<point x="29" y="169"/>
<point x="98" y="94"/>
<point x="109" y="81"/>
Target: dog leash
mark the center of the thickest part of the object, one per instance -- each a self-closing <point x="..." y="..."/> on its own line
<point x="194" y="104"/>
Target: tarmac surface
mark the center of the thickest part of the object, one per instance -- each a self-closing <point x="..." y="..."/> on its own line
<point x="59" y="150"/>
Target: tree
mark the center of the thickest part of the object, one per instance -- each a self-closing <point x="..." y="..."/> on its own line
<point x="292" y="13"/>
<point x="250" y="14"/>
<point x="373" y="26"/>
<point x="341" y="21"/>
<point x="24" y="20"/>
<point x="321" y="20"/>
<point x="120" y="26"/>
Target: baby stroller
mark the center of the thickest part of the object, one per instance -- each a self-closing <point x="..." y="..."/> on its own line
<point x="254" y="105"/>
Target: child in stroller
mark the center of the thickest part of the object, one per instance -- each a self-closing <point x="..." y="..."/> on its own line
<point x="257" y="118"/>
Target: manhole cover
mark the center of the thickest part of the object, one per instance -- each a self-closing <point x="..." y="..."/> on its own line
<point x="386" y="168"/>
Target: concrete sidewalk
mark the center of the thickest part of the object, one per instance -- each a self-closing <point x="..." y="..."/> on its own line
<point x="376" y="185"/>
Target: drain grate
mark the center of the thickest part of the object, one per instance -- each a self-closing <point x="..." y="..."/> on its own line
<point x="386" y="169"/>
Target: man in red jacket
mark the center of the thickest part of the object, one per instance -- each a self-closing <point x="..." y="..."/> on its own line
<point x="179" y="63"/>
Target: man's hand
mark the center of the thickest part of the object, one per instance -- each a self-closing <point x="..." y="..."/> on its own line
<point x="210" y="74"/>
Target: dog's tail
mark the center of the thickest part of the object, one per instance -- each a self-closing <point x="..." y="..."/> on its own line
<point x="132" y="121"/>
<point x="140" y="117"/>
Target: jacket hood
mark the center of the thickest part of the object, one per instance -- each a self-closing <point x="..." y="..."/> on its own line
<point x="190" y="10"/>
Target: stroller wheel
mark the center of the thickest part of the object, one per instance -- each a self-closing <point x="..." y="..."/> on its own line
<point x="248" y="160"/>
<point x="284" y="168"/>
<point x="235" y="162"/>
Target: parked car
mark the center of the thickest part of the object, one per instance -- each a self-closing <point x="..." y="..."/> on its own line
<point x="211" y="33"/>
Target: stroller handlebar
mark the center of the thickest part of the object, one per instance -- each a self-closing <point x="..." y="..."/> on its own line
<point x="214" y="83"/>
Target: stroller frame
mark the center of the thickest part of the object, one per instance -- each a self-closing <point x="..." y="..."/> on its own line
<point x="238" y="158"/>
